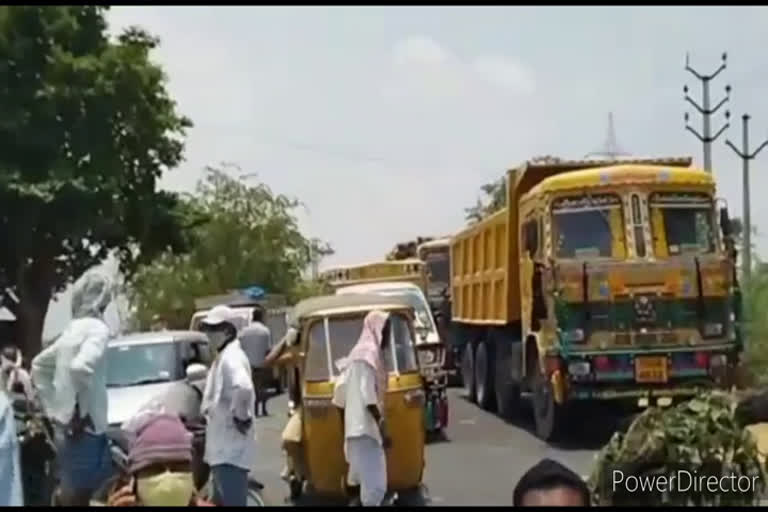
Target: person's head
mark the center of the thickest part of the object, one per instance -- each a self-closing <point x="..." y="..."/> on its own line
<point x="550" y="484"/>
<point x="376" y="323"/>
<point x="10" y="357"/>
<point x="220" y="325"/>
<point x="91" y="294"/>
<point x="257" y="315"/>
<point x="160" y="459"/>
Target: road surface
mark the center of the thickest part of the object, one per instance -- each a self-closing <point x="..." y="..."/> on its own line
<point x="478" y="464"/>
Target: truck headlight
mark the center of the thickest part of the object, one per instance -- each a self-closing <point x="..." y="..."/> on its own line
<point x="574" y="336"/>
<point x="718" y="360"/>
<point x="579" y="368"/>
<point x="713" y="330"/>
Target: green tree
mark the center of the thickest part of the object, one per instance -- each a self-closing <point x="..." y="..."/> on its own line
<point x="252" y="237"/>
<point x="494" y="194"/>
<point x="87" y="128"/>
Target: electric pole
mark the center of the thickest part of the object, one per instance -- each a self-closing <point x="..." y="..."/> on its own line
<point x="705" y="110"/>
<point x="746" y="156"/>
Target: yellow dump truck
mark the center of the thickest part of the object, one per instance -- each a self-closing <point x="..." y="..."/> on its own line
<point x="599" y="281"/>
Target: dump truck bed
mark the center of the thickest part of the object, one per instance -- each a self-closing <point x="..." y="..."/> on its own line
<point x="485" y="279"/>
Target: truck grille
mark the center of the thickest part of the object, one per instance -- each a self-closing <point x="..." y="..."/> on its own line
<point x="643" y="320"/>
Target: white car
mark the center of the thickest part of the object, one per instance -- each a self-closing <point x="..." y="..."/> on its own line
<point x="149" y="365"/>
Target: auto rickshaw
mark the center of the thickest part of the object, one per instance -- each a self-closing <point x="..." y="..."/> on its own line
<point x="328" y="327"/>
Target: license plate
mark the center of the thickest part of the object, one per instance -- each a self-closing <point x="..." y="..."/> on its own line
<point x="651" y="369"/>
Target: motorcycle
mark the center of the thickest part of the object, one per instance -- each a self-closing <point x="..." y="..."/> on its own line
<point x="37" y="453"/>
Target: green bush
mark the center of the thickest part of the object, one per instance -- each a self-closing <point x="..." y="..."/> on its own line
<point x="700" y="437"/>
<point x="756" y="325"/>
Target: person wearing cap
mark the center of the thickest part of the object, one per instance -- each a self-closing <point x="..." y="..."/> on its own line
<point x="550" y="484"/>
<point x="159" y="467"/>
<point x="228" y="405"/>
<point x="71" y="380"/>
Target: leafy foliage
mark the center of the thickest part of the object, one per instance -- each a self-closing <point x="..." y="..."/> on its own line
<point x="87" y="129"/>
<point x="251" y="237"/>
<point x="701" y="436"/>
<point x="494" y="194"/>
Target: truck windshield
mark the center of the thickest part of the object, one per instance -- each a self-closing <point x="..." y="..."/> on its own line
<point x="586" y="227"/>
<point x="438" y="266"/>
<point x="682" y="223"/>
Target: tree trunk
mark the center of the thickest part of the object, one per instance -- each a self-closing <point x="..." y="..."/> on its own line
<point x="35" y="292"/>
<point x="30" y="322"/>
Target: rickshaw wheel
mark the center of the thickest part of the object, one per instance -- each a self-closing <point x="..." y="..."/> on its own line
<point x="411" y="497"/>
<point x="296" y="488"/>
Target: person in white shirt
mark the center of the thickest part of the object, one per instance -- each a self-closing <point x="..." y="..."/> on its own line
<point x="360" y="392"/>
<point x="11" y="494"/>
<point x="256" y="340"/>
<point x="228" y="405"/>
<point x="71" y="379"/>
<point x="15" y="378"/>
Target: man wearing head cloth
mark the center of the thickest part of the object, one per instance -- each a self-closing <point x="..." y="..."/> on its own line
<point x="71" y="377"/>
<point x="360" y="393"/>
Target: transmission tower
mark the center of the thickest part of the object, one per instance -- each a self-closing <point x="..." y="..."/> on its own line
<point x="611" y="148"/>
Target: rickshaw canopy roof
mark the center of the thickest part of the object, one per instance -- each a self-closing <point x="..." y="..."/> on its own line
<point x="315" y="305"/>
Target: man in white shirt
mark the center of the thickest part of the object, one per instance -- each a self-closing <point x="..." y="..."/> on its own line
<point x="71" y="378"/>
<point x="256" y="340"/>
<point x="228" y="405"/>
<point x="360" y="393"/>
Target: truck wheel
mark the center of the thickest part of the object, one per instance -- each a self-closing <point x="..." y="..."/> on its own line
<point x="468" y="371"/>
<point x="507" y="390"/>
<point x="484" y="377"/>
<point x="548" y="415"/>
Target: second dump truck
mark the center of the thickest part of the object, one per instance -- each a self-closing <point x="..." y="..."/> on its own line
<point x="599" y="281"/>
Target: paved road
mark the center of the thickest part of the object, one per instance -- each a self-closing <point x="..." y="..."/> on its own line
<point x="478" y="464"/>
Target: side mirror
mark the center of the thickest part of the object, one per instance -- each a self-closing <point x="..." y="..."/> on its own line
<point x="725" y="222"/>
<point x="196" y="371"/>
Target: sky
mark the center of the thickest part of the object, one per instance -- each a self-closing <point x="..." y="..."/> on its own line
<point x="385" y="121"/>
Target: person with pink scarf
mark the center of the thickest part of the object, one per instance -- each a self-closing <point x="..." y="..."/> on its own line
<point x="359" y="393"/>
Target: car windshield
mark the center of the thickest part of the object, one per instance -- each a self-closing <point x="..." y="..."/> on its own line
<point x="584" y="226"/>
<point x="145" y="363"/>
<point x="687" y="222"/>
<point x="344" y="332"/>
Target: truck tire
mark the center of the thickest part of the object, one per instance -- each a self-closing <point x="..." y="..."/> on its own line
<point x="484" y="377"/>
<point x="549" y="416"/>
<point x="468" y="371"/>
<point x="507" y="390"/>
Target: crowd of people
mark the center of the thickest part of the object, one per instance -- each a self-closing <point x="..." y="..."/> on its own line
<point x="69" y="380"/>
